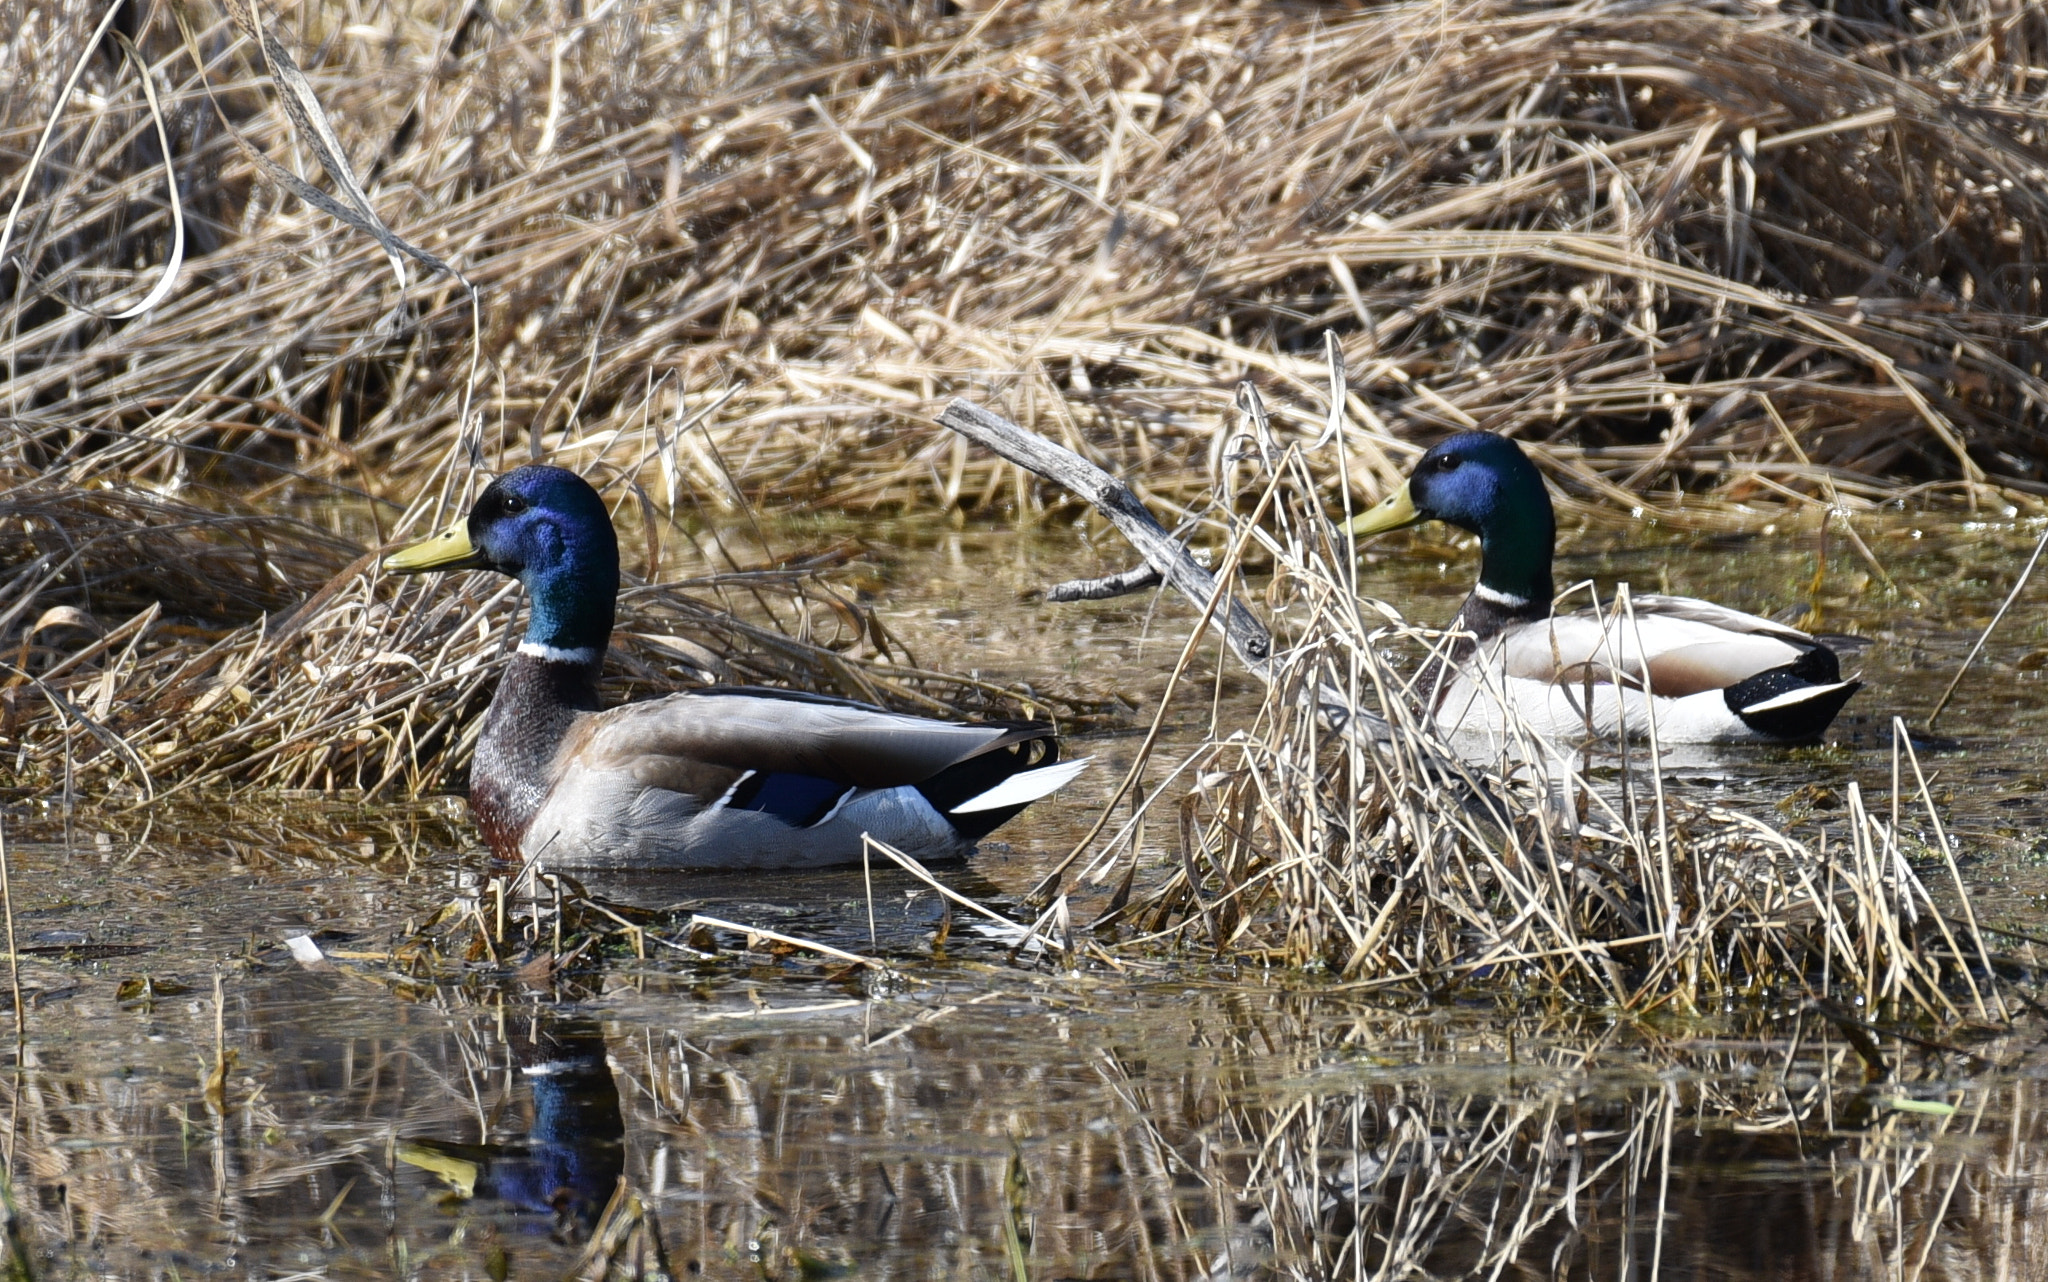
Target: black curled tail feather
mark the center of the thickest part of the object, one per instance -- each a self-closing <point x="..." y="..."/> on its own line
<point x="1797" y="719"/>
<point x="965" y="780"/>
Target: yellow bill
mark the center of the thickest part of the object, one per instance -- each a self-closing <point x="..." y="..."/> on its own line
<point x="1390" y="513"/>
<point x="459" y="1173"/>
<point x="448" y="550"/>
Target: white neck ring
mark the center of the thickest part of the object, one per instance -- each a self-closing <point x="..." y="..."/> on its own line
<point x="556" y="654"/>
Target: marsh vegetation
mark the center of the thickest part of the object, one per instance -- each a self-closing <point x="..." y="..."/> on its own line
<point x="1307" y="994"/>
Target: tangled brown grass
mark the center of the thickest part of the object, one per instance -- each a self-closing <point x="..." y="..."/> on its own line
<point x="730" y="253"/>
<point x="1337" y="829"/>
<point x="1737" y="248"/>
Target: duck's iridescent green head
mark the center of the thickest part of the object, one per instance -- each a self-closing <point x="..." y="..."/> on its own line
<point x="1483" y="483"/>
<point x="547" y="528"/>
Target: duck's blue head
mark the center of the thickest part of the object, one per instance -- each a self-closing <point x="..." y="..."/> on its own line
<point x="1483" y="483"/>
<point x="1480" y="482"/>
<point x="547" y="528"/>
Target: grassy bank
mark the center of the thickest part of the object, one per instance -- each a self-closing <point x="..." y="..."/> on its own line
<point x="726" y="255"/>
<point x="1748" y="251"/>
<point x="721" y="256"/>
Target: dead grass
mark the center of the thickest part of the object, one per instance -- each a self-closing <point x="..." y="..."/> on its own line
<point x="727" y="253"/>
<point x="1577" y="874"/>
<point x="1338" y="829"/>
<point x="1738" y="249"/>
<point x="733" y="252"/>
<point x="730" y="253"/>
<point x="367" y="687"/>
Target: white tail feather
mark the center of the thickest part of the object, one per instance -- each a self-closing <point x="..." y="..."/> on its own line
<point x="1791" y="697"/>
<point x="1021" y="788"/>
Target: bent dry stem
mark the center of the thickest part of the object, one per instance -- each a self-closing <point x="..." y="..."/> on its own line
<point x="1359" y="853"/>
<point x="832" y="227"/>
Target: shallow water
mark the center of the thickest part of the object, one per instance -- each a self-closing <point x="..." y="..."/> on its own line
<point x="972" y="1117"/>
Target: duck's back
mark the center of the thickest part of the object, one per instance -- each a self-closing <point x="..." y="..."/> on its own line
<point x="762" y="779"/>
<point x="1674" y="645"/>
<point x="1704" y="672"/>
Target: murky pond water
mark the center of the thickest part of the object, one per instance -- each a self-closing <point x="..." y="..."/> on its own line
<point x="190" y="1101"/>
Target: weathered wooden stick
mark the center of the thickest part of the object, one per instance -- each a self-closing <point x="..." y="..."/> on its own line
<point x="1122" y="583"/>
<point x="1164" y="555"/>
<point x="1168" y="559"/>
<point x="1247" y="637"/>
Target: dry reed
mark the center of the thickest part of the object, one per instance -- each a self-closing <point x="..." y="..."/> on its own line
<point x="1338" y="829"/>
<point x="726" y="252"/>
<point x="367" y="688"/>
<point x="1747" y="249"/>
<point x="729" y="252"/>
<point x="1302" y="848"/>
<point x="732" y="251"/>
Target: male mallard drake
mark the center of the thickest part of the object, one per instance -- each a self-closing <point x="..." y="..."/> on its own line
<point x="732" y="778"/>
<point x="1707" y="673"/>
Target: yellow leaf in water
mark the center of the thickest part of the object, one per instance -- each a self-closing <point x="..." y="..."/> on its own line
<point x="143" y="987"/>
<point x="1935" y="1107"/>
<point x="217" y="1081"/>
<point x="459" y="1172"/>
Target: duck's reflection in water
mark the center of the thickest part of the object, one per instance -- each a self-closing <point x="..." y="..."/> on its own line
<point x="568" y="1160"/>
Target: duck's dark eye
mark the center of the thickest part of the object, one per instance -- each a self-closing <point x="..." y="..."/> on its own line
<point x="1445" y="462"/>
<point x="511" y="505"/>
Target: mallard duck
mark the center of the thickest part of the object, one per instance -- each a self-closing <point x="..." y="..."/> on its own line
<point x="569" y="1159"/>
<point x="721" y="778"/>
<point x="1707" y="673"/>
